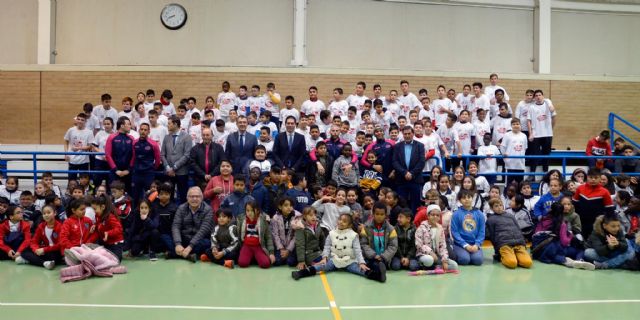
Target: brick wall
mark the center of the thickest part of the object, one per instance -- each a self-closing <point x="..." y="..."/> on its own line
<point x="41" y="104"/>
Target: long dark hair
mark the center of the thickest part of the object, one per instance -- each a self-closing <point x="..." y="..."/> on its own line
<point x="103" y="200"/>
<point x="75" y="204"/>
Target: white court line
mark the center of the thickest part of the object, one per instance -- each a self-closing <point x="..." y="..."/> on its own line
<point x="485" y="305"/>
<point x="150" y="306"/>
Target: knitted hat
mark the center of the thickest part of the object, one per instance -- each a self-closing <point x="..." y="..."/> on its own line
<point x="432" y="207"/>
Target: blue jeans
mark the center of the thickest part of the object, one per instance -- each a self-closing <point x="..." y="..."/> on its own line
<point x="397" y="265"/>
<point x="199" y="248"/>
<point x="618" y="259"/>
<point x="329" y="267"/>
<point x="291" y="260"/>
<point x="465" y="257"/>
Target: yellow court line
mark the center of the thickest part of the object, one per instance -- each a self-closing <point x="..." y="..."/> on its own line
<point x="332" y="300"/>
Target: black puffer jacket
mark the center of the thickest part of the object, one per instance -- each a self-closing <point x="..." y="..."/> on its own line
<point x="503" y="230"/>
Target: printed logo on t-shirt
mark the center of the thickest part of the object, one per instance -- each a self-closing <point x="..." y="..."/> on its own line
<point x="542" y="117"/>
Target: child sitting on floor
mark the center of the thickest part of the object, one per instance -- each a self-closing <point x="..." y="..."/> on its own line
<point x="607" y="246"/>
<point x="224" y="241"/>
<point x="308" y="240"/>
<point x="342" y="252"/>
<point x="405" y="257"/>
<point x="431" y="246"/>
<point x="467" y="230"/>
<point x="256" y="241"/>
<point x="505" y="234"/>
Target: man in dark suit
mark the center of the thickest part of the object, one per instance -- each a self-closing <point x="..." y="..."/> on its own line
<point x="289" y="149"/>
<point x="205" y="159"/>
<point x="240" y="146"/>
<point x="175" y="157"/>
<point x="408" y="162"/>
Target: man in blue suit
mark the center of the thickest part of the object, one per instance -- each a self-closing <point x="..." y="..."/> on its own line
<point x="289" y="148"/>
<point x="408" y="162"/>
<point x="240" y="145"/>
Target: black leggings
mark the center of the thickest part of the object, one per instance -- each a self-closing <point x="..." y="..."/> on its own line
<point x="37" y="260"/>
<point x="540" y="146"/>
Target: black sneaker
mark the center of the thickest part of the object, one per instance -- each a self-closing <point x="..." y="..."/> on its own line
<point x="192" y="257"/>
<point x="152" y="256"/>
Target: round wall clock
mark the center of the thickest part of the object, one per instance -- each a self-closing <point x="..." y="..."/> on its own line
<point x="173" y="16"/>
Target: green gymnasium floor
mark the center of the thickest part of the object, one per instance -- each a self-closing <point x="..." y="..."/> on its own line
<point x="181" y="290"/>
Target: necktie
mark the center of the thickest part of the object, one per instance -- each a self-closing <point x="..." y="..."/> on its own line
<point x="241" y="142"/>
<point x="206" y="159"/>
<point x="175" y="137"/>
<point x="290" y="141"/>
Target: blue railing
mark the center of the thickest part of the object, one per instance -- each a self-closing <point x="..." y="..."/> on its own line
<point x="612" y="127"/>
<point x="34" y="157"/>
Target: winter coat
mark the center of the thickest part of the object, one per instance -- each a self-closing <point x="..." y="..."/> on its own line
<point x="406" y="242"/>
<point x="264" y="233"/>
<point x="503" y="230"/>
<point x="598" y="240"/>
<point x="281" y="239"/>
<point x="309" y="242"/>
<point x="191" y="226"/>
<point x="424" y="242"/>
<point x="390" y="241"/>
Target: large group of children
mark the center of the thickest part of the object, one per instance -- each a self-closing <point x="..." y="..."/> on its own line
<point x="352" y="206"/>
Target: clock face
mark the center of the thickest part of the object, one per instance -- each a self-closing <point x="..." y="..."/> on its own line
<point x="173" y="16"/>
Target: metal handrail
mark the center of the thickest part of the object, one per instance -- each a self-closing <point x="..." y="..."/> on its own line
<point x="612" y="125"/>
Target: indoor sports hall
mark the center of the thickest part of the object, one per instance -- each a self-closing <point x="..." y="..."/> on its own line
<point x="319" y="159"/>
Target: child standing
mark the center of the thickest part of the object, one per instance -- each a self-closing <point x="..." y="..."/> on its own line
<point x="504" y="232"/>
<point x="15" y="236"/>
<point x="110" y="233"/>
<point x="467" y="230"/>
<point x="514" y="143"/>
<point x="607" y="246"/>
<point x="488" y="164"/>
<point x="378" y="239"/>
<point x="224" y="241"/>
<point x="256" y="241"/>
<point x="405" y="257"/>
<point x="283" y="226"/>
<point x="44" y="249"/>
<point x="342" y="251"/>
<point x="431" y="246"/>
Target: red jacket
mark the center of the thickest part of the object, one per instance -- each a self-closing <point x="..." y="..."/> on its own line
<point x="75" y="231"/>
<point x="112" y="227"/>
<point x="25" y="228"/>
<point x="598" y="148"/>
<point x="40" y="239"/>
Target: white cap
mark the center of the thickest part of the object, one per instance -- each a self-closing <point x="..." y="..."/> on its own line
<point x="432" y="207"/>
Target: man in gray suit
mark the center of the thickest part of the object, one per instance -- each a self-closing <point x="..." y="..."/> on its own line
<point x="175" y="157"/>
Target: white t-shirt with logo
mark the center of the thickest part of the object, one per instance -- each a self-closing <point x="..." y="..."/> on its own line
<point x="356" y="100"/>
<point x="408" y="102"/>
<point x="481" y="129"/>
<point x="540" y="116"/>
<point x="522" y="113"/>
<point x="465" y="132"/>
<point x="440" y="108"/>
<point x="100" y="112"/>
<point x="339" y="108"/>
<point x="449" y="137"/>
<point x="488" y="165"/>
<point x="157" y="134"/>
<point x="286" y="113"/>
<point x="257" y="104"/>
<point x="490" y="91"/>
<point x="478" y="103"/>
<point x="226" y="101"/>
<point x="80" y="139"/>
<point x="514" y="144"/>
<point x="274" y="108"/>
<point x="500" y="127"/>
<point x="313" y="107"/>
<point x="464" y="102"/>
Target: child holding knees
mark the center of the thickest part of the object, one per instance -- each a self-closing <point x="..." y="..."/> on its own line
<point x="505" y="234"/>
<point x="256" y="242"/>
<point x="405" y="257"/>
<point x="143" y="233"/>
<point x="431" y="245"/>
<point x="44" y="249"/>
<point x="607" y="246"/>
<point x="342" y="252"/>
<point x="467" y="230"/>
<point x="224" y="241"/>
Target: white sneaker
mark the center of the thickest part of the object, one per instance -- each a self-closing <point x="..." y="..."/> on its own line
<point x="568" y="262"/>
<point x="21" y="260"/>
<point x="49" y="265"/>
<point x="583" y="265"/>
